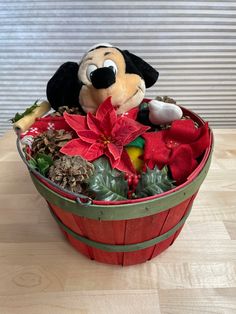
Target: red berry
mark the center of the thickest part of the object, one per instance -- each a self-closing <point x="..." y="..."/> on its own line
<point x="129" y="181"/>
<point x="130" y="194"/>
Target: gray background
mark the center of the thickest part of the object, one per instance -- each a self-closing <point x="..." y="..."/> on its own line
<point x="191" y="43"/>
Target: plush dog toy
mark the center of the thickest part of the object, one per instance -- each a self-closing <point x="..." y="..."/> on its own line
<point x="106" y="71"/>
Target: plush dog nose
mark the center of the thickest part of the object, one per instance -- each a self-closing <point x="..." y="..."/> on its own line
<point x="103" y="77"/>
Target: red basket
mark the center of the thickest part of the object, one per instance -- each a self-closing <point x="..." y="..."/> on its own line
<point x="125" y="232"/>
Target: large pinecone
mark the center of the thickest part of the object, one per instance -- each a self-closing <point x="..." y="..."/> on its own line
<point x="71" y="173"/>
<point x="50" y="143"/>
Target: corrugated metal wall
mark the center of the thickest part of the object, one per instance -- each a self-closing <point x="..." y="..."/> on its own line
<point x="191" y="43"/>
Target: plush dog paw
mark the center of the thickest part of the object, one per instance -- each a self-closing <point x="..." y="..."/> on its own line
<point x="163" y="113"/>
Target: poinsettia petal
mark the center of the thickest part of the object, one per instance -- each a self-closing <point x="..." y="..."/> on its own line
<point x="120" y="130"/>
<point x="115" y="150"/>
<point x="104" y="108"/>
<point x="93" y="123"/>
<point x="126" y="130"/>
<point x="155" y="148"/>
<point x="183" y="131"/>
<point x="132" y="113"/>
<point x="202" y="142"/>
<point x="182" y="163"/>
<point x="142" y="129"/>
<point x="111" y="158"/>
<point x="94" y="151"/>
<point x="88" y="136"/>
<point x="76" y="121"/>
<point x="108" y="121"/>
<point x="125" y="163"/>
<point x="75" y="147"/>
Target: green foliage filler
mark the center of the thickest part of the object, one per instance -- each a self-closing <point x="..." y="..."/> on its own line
<point x="41" y="163"/>
<point x="138" y="142"/>
<point x="18" y="115"/>
<point x="154" y="182"/>
<point x="107" y="184"/>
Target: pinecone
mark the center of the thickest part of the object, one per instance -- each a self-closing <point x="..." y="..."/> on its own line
<point x="50" y="143"/>
<point x="71" y="173"/>
<point x="166" y="99"/>
<point x="62" y="109"/>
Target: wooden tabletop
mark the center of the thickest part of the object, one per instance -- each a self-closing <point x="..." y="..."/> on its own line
<point x="41" y="273"/>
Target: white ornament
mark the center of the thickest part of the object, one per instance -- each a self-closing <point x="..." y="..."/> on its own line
<point x="163" y="113"/>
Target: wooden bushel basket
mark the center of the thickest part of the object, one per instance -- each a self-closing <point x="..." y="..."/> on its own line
<point x="123" y="232"/>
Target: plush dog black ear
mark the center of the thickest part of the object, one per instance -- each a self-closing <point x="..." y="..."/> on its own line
<point x="64" y="87"/>
<point x="135" y="64"/>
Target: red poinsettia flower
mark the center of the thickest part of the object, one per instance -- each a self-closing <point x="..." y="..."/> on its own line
<point x="177" y="147"/>
<point x="103" y="134"/>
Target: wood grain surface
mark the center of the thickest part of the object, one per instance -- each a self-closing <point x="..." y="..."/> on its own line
<point x="41" y="273"/>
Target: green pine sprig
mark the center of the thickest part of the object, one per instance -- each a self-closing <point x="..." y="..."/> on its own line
<point x="41" y="163"/>
<point x="29" y="110"/>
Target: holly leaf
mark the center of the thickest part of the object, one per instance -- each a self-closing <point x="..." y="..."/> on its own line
<point x="154" y="182"/>
<point x="102" y="165"/>
<point x="107" y="184"/>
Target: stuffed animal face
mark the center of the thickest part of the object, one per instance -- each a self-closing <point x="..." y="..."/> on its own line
<point x="103" y="74"/>
<point x="104" y="71"/>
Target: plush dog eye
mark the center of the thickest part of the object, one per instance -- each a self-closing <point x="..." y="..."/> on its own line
<point x="90" y="69"/>
<point x="110" y="64"/>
